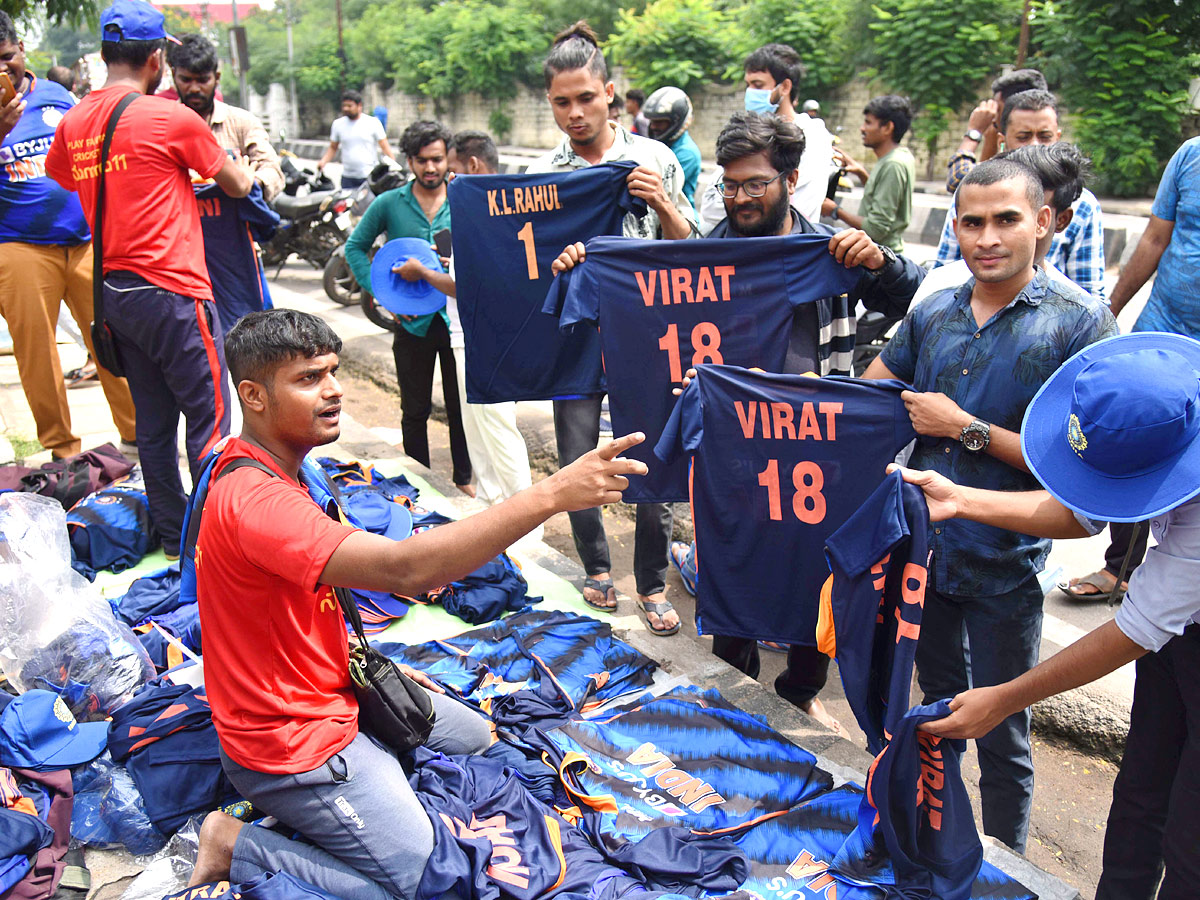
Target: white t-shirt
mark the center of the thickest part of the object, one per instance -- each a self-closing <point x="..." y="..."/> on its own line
<point x="358" y="139"/>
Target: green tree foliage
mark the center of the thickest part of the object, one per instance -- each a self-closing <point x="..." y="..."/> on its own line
<point x="55" y="12"/>
<point x="67" y="44"/>
<point x="1123" y="69"/>
<point x="685" y="43"/>
<point x="937" y="54"/>
<point x="813" y="28"/>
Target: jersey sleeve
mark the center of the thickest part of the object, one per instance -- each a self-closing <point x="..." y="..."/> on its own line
<point x="192" y="143"/>
<point x="573" y="298"/>
<point x="58" y="163"/>
<point x="685" y="427"/>
<point x="281" y="530"/>
<point x="813" y="273"/>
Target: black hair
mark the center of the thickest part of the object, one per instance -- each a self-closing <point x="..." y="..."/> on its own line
<point x="781" y="61"/>
<point x="478" y="144"/>
<point x="891" y="108"/>
<point x="422" y="133"/>
<point x="575" y="48"/>
<point x="994" y="171"/>
<point x="637" y="95"/>
<point x="1061" y="167"/>
<point x="1027" y="100"/>
<point x="61" y="75"/>
<point x="748" y="133"/>
<point x="1017" y="81"/>
<point x="134" y="54"/>
<point x="194" y="53"/>
<point x="352" y="96"/>
<point x="8" y="31"/>
<point x="617" y="100"/>
<point x="260" y="341"/>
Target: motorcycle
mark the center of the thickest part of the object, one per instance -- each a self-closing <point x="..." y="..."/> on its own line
<point x="314" y="218"/>
<point x="340" y="284"/>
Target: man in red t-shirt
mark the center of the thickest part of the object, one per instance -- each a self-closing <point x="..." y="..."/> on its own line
<point x="275" y="646"/>
<point x="157" y="297"/>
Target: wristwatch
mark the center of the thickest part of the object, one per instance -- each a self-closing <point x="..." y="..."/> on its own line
<point x="974" y="134"/>
<point x="976" y="436"/>
<point x="889" y="257"/>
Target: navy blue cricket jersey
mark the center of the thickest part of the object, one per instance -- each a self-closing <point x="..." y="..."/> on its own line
<point x="664" y="306"/>
<point x="779" y="462"/>
<point x="871" y="605"/>
<point x="687" y="758"/>
<point x="508" y="229"/>
<point x="231" y="226"/>
<point x="916" y="815"/>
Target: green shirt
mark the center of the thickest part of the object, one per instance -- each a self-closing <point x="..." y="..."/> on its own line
<point x="397" y="214"/>
<point x="887" y="199"/>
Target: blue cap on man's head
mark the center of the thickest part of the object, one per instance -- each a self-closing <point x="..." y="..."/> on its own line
<point x="133" y="20"/>
<point x="38" y="731"/>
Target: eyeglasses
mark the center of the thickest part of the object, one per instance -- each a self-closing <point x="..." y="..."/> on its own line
<point x="754" y="188"/>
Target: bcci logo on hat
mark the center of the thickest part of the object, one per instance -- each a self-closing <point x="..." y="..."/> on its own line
<point x="63" y="713"/>
<point x="1075" y="436"/>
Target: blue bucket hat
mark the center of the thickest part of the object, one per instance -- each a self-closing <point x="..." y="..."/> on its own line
<point x="395" y="294"/>
<point x="133" y="20"/>
<point x="38" y="731"/>
<point x="1113" y="433"/>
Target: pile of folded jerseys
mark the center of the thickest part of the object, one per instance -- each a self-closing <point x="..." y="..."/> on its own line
<point x="111" y="528"/>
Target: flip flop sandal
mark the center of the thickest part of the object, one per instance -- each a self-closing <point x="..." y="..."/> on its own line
<point x="607" y="587"/>
<point x="660" y="608"/>
<point x="679" y="553"/>
<point x="1102" y="595"/>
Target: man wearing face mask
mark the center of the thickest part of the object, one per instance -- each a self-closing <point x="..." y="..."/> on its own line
<point x="773" y="74"/>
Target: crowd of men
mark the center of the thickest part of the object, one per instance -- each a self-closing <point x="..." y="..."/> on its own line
<point x="1017" y="291"/>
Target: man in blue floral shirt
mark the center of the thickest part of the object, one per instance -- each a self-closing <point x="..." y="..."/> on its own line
<point x="976" y="355"/>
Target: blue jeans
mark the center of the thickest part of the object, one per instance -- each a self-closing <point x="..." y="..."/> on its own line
<point x="978" y="642"/>
<point x="368" y="837"/>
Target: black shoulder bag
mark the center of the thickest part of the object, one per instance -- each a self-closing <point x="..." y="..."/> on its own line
<point x="104" y="345"/>
<point x="391" y="706"/>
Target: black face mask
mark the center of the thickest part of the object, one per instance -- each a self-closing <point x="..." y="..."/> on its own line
<point x="770" y="224"/>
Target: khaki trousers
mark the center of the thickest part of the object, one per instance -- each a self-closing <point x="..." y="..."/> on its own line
<point x="33" y="279"/>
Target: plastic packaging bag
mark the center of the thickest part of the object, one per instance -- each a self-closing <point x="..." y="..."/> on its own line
<point x="109" y="810"/>
<point x="56" y="631"/>
<point x="170" y="869"/>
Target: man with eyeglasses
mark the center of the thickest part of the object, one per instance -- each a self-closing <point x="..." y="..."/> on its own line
<point x="760" y="155"/>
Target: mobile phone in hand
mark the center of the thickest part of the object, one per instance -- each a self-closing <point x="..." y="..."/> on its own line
<point x="7" y="91"/>
<point x="441" y="240"/>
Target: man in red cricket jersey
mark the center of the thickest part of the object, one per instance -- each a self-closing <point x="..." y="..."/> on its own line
<point x="275" y="648"/>
<point x="158" y="300"/>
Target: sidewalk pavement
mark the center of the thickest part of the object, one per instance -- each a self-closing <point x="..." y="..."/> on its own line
<point x="364" y="346"/>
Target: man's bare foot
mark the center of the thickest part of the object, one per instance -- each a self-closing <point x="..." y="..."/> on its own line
<point x="817" y="710"/>
<point x="468" y="489"/>
<point x="218" y="834"/>
<point x="600" y="593"/>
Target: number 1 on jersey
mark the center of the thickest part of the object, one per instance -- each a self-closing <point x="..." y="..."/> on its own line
<point x="706" y="347"/>
<point x="808" y="503"/>
<point x="525" y="235"/>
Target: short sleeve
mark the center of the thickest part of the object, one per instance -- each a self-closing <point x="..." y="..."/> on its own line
<point x="573" y="297"/>
<point x="281" y="530"/>
<point x="335" y="132"/>
<point x="900" y="354"/>
<point x="685" y="426"/>
<point x="380" y="134"/>
<point x="192" y="143"/>
<point x="1167" y="197"/>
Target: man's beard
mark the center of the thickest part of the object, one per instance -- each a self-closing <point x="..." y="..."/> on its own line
<point x="771" y="222"/>
<point x="205" y="105"/>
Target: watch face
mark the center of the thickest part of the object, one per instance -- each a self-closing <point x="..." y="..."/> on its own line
<point x="973" y="440"/>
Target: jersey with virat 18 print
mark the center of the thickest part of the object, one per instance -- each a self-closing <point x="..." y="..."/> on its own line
<point x="665" y="306"/>
<point x="778" y="463"/>
<point x="508" y="229"/>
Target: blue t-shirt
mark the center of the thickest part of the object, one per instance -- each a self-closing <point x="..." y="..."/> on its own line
<point x="871" y="606"/>
<point x="779" y="462"/>
<point x="34" y="209"/>
<point x="231" y="226"/>
<point x="1174" y="303"/>
<point x="664" y="306"/>
<point x="688" y="154"/>
<point x="508" y="229"/>
<point x="992" y="372"/>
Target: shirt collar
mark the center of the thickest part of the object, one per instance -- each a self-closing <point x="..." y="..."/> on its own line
<point x="1032" y="294"/>
<point x="220" y="111"/>
<point x="565" y="155"/>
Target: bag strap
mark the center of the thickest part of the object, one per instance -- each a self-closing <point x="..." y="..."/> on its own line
<point x="345" y="601"/>
<point x="98" y="224"/>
